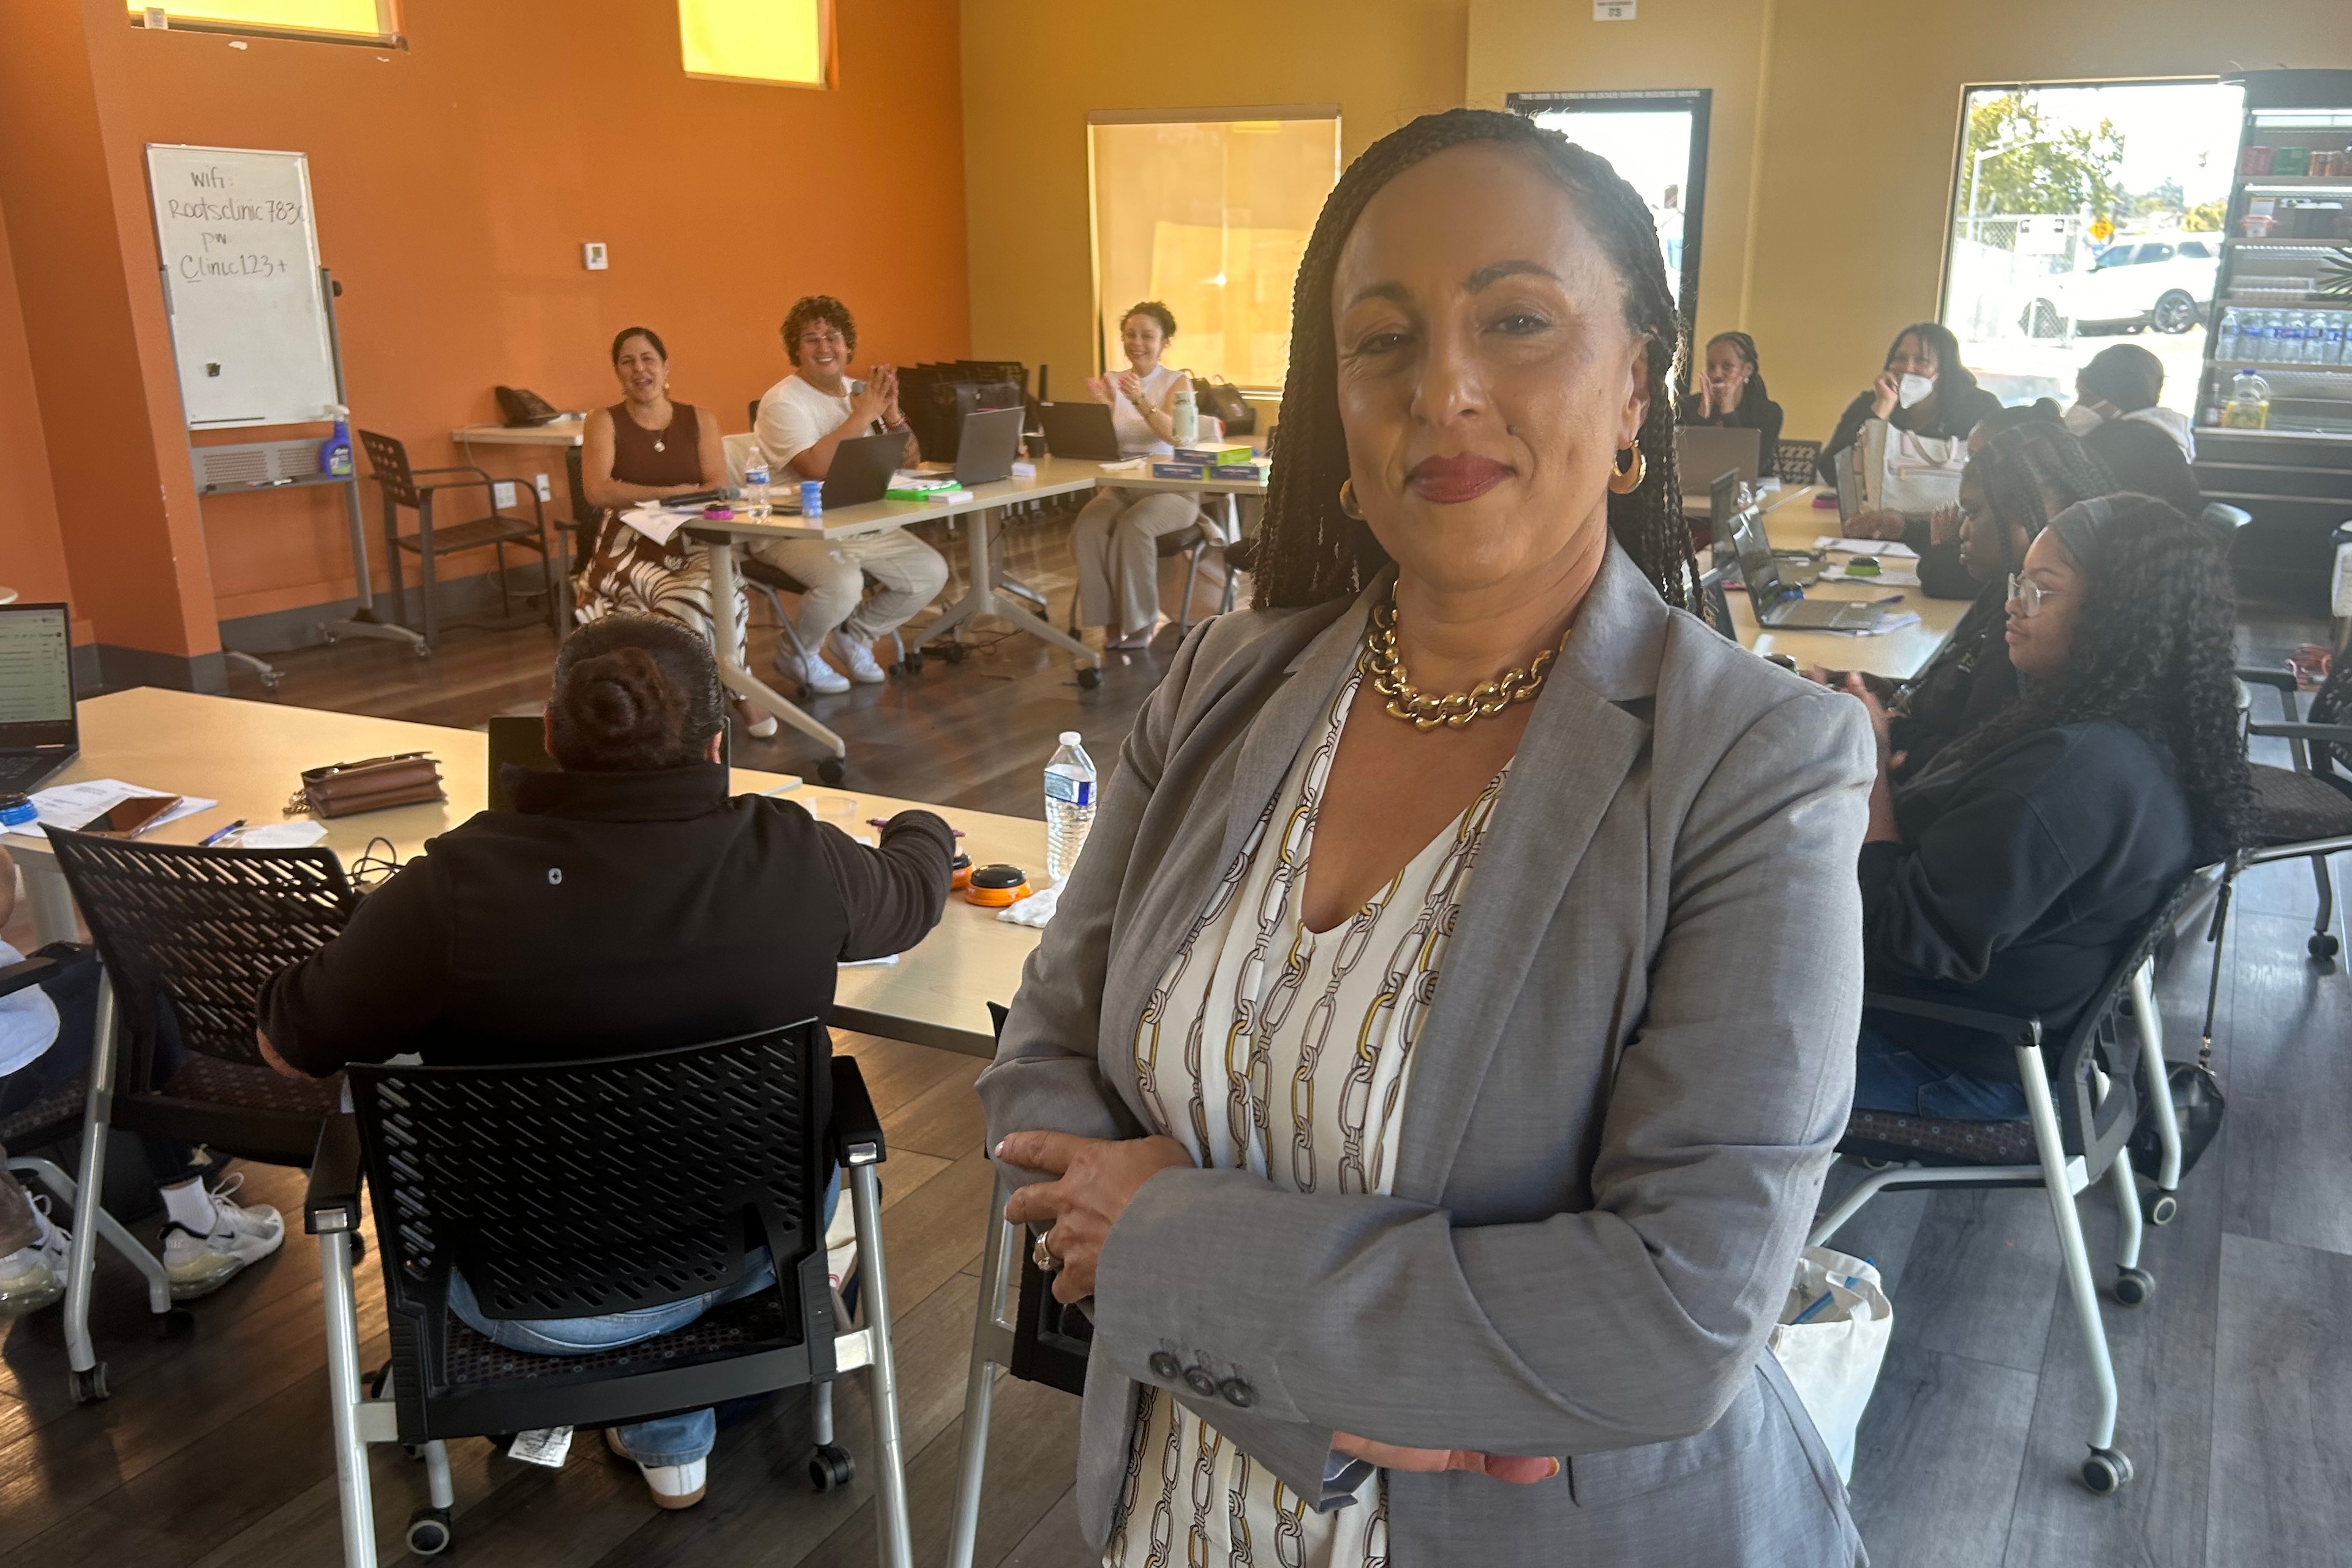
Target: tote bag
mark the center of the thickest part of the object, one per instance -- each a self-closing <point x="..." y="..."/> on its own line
<point x="1831" y="1339"/>
<point x="1904" y="472"/>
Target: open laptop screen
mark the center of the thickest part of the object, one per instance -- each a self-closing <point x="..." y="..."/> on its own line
<point x="1757" y="567"/>
<point x="37" y="701"/>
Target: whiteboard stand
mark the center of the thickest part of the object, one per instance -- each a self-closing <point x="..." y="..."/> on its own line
<point x="245" y="467"/>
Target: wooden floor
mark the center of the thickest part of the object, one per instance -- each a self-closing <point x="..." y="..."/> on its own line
<point x="2236" y="1379"/>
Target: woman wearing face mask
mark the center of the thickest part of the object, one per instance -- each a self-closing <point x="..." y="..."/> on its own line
<point x="2011" y="874"/>
<point x="1116" y="537"/>
<point x="1924" y="388"/>
<point x="1432" y="1068"/>
<point x="1732" y="393"/>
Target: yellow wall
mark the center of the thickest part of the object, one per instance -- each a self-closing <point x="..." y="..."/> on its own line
<point x="1829" y="166"/>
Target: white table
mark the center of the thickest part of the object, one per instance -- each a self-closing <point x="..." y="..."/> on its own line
<point x="1793" y="522"/>
<point x="565" y="432"/>
<point x="246" y="754"/>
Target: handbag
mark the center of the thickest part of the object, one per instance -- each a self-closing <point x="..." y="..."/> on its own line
<point x="521" y="406"/>
<point x="1830" y="1341"/>
<point x="1225" y="400"/>
<point x="373" y="783"/>
<point x="1905" y="472"/>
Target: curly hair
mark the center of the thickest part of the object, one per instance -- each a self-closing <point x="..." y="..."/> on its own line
<point x="809" y="309"/>
<point x="1309" y="552"/>
<point x="1157" y="313"/>
<point x="2031" y="472"/>
<point x="2153" y="649"/>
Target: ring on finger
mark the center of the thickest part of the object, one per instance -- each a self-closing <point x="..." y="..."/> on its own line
<point x="1042" y="1256"/>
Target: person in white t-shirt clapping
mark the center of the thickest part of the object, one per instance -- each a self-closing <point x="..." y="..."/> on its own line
<point x="1116" y="536"/>
<point x="803" y="419"/>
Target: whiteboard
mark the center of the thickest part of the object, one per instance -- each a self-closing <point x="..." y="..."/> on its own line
<point x="240" y="259"/>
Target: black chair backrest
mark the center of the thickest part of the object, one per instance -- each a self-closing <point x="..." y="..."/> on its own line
<point x="2088" y="1126"/>
<point x="388" y="461"/>
<point x="587" y="516"/>
<point x="202" y="929"/>
<point x="574" y="1188"/>
<point x="754" y="415"/>
<point x="1794" y="461"/>
<point x="2332" y="704"/>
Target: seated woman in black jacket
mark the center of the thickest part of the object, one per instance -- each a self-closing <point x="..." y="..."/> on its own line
<point x="2022" y="476"/>
<point x="2014" y="873"/>
<point x="628" y="903"/>
<point x="1731" y="393"/>
<point x="1922" y="387"/>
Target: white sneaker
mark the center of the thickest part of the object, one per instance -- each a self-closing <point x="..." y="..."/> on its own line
<point x="34" y="1276"/>
<point x="859" y="657"/>
<point x="813" y="672"/>
<point x="200" y="1264"/>
<point x="673" y="1486"/>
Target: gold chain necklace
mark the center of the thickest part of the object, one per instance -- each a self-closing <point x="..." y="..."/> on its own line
<point x="1380" y="661"/>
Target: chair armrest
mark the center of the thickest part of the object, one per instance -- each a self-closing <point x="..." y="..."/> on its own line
<point x="16" y="977"/>
<point x="857" y="1130"/>
<point x="2280" y="678"/>
<point x="332" y="1202"/>
<point x="472" y="476"/>
<point x="2330" y="734"/>
<point x="2018" y="1030"/>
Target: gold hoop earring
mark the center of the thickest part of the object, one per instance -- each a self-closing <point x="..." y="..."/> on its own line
<point x="1624" y="481"/>
<point x="1348" y="499"/>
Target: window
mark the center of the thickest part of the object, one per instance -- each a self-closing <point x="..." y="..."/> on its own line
<point x="785" y="41"/>
<point x="1209" y="215"/>
<point x="371" y="20"/>
<point x="2081" y="211"/>
<point x="1656" y="140"/>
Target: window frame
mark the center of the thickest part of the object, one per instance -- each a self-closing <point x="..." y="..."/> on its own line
<point x="387" y="13"/>
<point x="828" y="48"/>
<point x="1215" y="115"/>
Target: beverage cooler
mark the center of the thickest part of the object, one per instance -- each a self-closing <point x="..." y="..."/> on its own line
<point x="2274" y="408"/>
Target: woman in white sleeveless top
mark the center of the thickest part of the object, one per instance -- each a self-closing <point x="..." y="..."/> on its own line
<point x="1117" y="535"/>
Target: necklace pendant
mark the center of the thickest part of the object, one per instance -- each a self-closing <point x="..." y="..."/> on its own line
<point x="660" y="446"/>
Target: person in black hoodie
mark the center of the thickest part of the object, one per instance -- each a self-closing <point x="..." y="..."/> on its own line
<point x="626" y="904"/>
<point x="1731" y="393"/>
<point x="2012" y="873"/>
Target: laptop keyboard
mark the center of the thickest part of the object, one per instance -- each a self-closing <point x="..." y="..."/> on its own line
<point x="21" y="774"/>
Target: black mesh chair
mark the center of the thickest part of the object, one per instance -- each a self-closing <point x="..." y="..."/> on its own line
<point x="198" y="933"/>
<point x="52" y="1119"/>
<point x="403" y="485"/>
<point x="2304" y="811"/>
<point x="1043" y="1342"/>
<point x="572" y="1189"/>
<point x="2079" y="1120"/>
<point x="1796" y="461"/>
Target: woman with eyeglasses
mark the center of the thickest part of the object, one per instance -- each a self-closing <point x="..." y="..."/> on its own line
<point x="2013" y="871"/>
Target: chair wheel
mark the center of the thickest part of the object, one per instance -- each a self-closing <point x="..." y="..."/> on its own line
<point x="177" y="1324"/>
<point x="89" y="1387"/>
<point x="2107" y="1471"/>
<point x="2162" y="1208"/>
<point x="429" y="1532"/>
<point x="913" y="663"/>
<point x="359" y="1248"/>
<point x="2322" y="945"/>
<point x="2134" y="1285"/>
<point x="1090" y="676"/>
<point x="832" y="771"/>
<point x="953" y="652"/>
<point x="830" y="1467"/>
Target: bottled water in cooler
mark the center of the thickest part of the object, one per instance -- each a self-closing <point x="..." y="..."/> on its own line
<point x="2225" y="337"/>
<point x="1069" y="805"/>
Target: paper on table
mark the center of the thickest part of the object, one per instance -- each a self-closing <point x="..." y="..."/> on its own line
<point x="77" y="805"/>
<point x="1894" y="622"/>
<point x="1893" y="549"/>
<point x="654" y="523"/>
<point x="1894" y="575"/>
<point x="282" y="835"/>
<point x="887" y="958"/>
<point x="1124" y="466"/>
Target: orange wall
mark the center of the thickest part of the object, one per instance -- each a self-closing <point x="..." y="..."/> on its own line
<point x="32" y="551"/>
<point x="455" y="181"/>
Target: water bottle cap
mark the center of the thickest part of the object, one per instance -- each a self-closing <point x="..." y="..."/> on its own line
<point x="1072" y="737"/>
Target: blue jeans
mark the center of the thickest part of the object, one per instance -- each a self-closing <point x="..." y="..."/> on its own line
<point x="1889" y="1077"/>
<point x="666" y="1440"/>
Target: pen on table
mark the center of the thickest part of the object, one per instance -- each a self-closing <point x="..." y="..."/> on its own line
<point x="209" y="839"/>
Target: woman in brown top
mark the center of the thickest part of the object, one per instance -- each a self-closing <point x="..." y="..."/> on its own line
<point x="647" y="447"/>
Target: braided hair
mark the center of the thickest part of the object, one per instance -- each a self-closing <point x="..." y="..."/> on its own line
<point x="2153" y="650"/>
<point x="2031" y="472"/>
<point x="1752" y="395"/>
<point x="1309" y="552"/>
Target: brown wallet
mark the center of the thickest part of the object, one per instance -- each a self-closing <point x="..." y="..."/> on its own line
<point x="375" y="784"/>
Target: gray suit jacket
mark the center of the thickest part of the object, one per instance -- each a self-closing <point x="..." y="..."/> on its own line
<point x="1627" y="1090"/>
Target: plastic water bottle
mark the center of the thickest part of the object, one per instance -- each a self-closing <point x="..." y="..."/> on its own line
<point x="812" y="499"/>
<point x="2253" y="337"/>
<point x="1184" y="415"/>
<point x="2339" y="341"/>
<point x="2327" y="336"/>
<point x="2289" y="348"/>
<point x="1069" y="805"/>
<point x="2225" y="337"/>
<point x="755" y="480"/>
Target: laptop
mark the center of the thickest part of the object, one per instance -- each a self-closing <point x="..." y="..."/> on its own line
<point x="991" y="440"/>
<point x="1712" y="449"/>
<point x="862" y="466"/>
<point x="1849" y="485"/>
<point x="39" y="731"/>
<point x="1080" y="430"/>
<point x="1797" y="567"/>
<point x="1780" y="606"/>
<point x="520" y="740"/>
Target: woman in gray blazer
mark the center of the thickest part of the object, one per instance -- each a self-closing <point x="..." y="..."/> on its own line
<point x="1432" y="1068"/>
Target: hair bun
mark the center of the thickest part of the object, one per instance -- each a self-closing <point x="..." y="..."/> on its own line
<point x="621" y="703"/>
